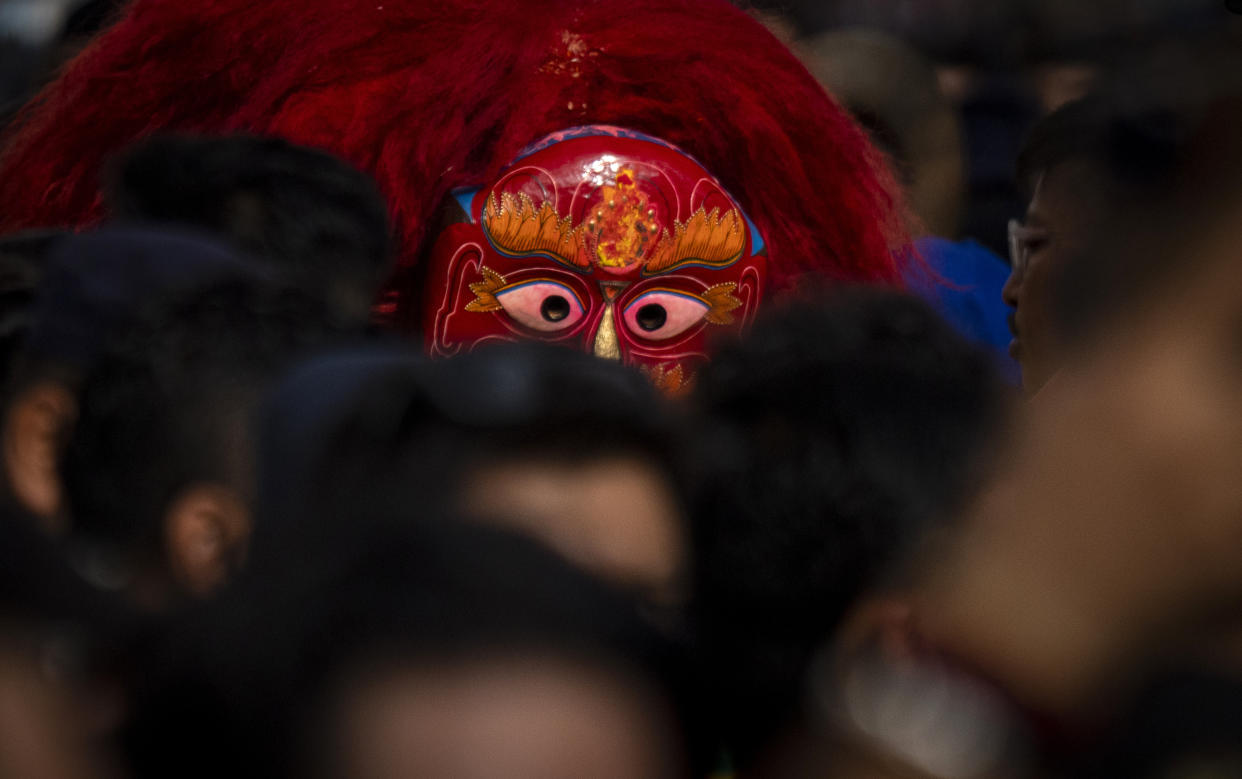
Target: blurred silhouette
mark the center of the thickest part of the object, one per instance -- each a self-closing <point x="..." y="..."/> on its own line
<point x="93" y="287"/>
<point x="159" y="471"/>
<point x="809" y="498"/>
<point x="1107" y="542"/>
<point x="436" y="649"/>
<point x="319" y="221"/>
<point x="579" y="452"/>
<point x="893" y="92"/>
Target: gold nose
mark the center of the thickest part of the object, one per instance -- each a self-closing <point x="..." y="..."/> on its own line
<point x="606" y="345"/>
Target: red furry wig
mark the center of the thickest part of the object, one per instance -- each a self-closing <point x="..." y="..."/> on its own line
<point x="428" y="96"/>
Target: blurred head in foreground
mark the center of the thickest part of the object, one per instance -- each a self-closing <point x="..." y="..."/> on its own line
<point x="93" y="287"/>
<point x="1118" y="506"/>
<point x="832" y="440"/>
<point x="441" y="649"/>
<point x="158" y="473"/>
<point x="577" y="451"/>
<point x="313" y="218"/>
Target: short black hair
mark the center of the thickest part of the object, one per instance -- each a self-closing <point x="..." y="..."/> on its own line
<point x="1137" y="148"/>
<point x="243" y="684"/>
<point x="313" y="215"/>
<point x="1158" y="134"/>
<point x="170" y="402"/>
<point x="23" y="259"/>
<point x="832" y="438"/>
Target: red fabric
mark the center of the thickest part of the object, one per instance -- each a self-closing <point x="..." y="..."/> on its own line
<point x="439" y="94"/>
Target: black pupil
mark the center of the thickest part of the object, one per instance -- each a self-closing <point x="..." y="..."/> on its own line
<point x="554" y="308"/>
<point x="652" y="317"/>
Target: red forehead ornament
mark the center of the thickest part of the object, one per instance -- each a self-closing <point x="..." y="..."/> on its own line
<point x="601" y="239"/>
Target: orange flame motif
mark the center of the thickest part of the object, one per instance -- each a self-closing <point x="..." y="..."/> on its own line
<point x="709" y="239"/>
<point x="518" y="228"/>
<point x="622" y="232"/>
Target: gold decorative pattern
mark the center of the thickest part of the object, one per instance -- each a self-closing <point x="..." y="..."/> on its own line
<point x="709" y="238"/>
<point x="720" y="298"/>
<point x="485" y="291"/>
<point x="517" y="227"/>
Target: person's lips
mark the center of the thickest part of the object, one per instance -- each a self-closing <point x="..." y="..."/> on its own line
<point x="1015" y="346"/>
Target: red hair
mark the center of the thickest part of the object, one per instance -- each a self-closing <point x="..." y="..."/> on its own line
<point x="428" y="96"/>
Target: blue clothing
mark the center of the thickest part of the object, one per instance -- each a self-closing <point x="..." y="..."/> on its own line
<point x="967" y="293"/>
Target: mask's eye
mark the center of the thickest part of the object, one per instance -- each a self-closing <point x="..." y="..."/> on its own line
<point x="663" y="313"/>
<point x="541" y="305"/>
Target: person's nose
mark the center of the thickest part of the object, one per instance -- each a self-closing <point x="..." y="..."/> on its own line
<point x="1013" y="285"/>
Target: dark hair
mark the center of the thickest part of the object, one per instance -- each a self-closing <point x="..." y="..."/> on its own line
<point x="315" y="217"/>
<point x="1136" y="148"/>
<point x="23" y="259"/>
<point x="832" y="439"/>
<point x="243" y="685"/>
<point x="408" y="431"/>
<point x="169" y="404"/>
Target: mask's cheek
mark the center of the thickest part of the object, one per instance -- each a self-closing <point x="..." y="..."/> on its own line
<point x="456" y="261"/>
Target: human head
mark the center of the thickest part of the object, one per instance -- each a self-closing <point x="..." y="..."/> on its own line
<point x="1091" y="168"/>
<point x="315" y="219"/>
<point x="579" y="452"/>
<point x="831" y="440"/>
<point x="449" y="649"/>
<point x="158" y="472"/>
<point x="1067" y="168"/>
<point x="94" y="286"/>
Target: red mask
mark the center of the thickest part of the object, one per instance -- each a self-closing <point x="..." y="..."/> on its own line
<point x="602" y="239"/>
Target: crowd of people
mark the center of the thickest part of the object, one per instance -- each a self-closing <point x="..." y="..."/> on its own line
<point x="473" y="389"/>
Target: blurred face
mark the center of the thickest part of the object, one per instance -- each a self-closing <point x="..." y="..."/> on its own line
<point x="41" y="732"/>
<point x="616" y="517"/>
<point x="508" y="718"/>
<point x="1121" y="510"/>
<point x="1182" y="382"/>
<point x="1057" y="225"/>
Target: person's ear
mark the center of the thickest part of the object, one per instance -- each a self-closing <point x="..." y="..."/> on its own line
<point x="36" y="425"/>
<point x="879" y="626"/>
<point x="206" y="530"/>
